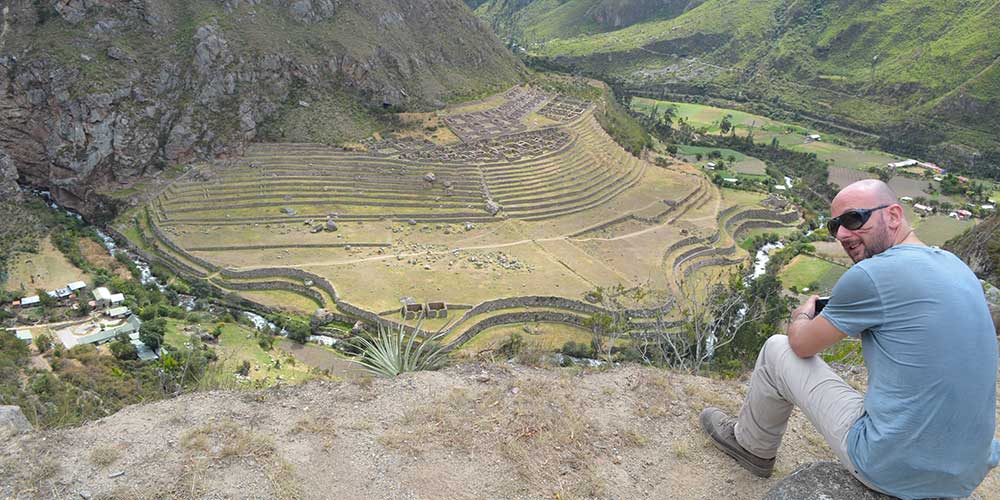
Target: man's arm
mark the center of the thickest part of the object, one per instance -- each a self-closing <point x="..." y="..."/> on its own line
<point x="808" y="334"/>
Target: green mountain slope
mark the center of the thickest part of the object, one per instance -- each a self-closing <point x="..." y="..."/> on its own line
<point x="923" y="69"/>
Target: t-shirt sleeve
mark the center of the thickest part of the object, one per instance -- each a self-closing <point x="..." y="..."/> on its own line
<point x="855" y="305"/>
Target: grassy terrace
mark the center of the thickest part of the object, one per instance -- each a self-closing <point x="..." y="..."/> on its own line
<point x="540" y="244"/>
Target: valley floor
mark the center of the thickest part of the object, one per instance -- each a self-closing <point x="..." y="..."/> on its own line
<point x="471" y="431"/>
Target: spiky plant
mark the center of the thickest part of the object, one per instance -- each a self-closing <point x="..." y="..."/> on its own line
<point x="394" y="351"/>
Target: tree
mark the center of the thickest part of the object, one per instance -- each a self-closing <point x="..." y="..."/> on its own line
<point x="43" y="342"/>
<point x="123" y="349"/>
<point x="727" y="323"/>
<point x="152" y="332"/>
<point x="298" y="332"/>
<point x="45" y="299"/>
<point x="726" y="124"/>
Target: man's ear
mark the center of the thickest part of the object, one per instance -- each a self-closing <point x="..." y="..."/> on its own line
<point x="896" y="215"/>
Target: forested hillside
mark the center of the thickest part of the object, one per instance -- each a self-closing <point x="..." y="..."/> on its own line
<point x="918" y="77"/>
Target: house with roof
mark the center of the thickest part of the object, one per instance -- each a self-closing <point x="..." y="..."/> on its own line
<point x="102" y="297"/>
<point x="30" y="301"/>
<point x="76" y="286"/>
<point x="118" y="312"/>
<point x="129" y="326"/>
<point x="24" y="336"/>
<point x="117" y="298"/>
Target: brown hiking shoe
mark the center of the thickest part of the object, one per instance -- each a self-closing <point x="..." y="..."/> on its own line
<point x="722" y="429"/>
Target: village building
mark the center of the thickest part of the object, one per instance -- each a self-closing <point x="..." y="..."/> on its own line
<point x="76" y="286"/>
<point x="117" y="298"/>
<point x="987" y="207"/>
<point x="961" y="214"/>
<point x="143" y="350"/>
<point x="730" y="180"/>
<point x="118" y="312"/>
<point x="129" y="326"/>
<point x="902" y="164"/>
<point x="102" y="297"/>
<point x="923" y="208"/>
<point x="30" y="301"/>
<point x="813" y="137"/>
<point x="23" y="336"/>
<point x="907" y="199"/>
<point x="780" y="187"/>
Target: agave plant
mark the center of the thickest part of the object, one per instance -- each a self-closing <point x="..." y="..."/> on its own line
<point x="394" y="351"/>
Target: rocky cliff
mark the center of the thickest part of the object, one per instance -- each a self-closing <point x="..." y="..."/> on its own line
<point x="98" y="94"/>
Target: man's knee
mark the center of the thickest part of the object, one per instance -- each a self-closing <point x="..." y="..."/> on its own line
<point x="774" y="348"/>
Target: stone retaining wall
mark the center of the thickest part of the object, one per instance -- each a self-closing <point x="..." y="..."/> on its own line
<point x="718" y="261"/>
<point x="273" y="285"/>
<point x="517" y="317"/>
<point x="756" y="224"/>
<point x="760" y="213"/>
<point x="282" y="272"/>
<point x="180" y="251"/>
<point x="236" y="248"/>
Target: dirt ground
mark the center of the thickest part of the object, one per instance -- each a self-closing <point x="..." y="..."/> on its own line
<point x="48" y="270"/>
<point x="472" y="431"/>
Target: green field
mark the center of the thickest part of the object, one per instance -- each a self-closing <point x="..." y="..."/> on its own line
<point x="736" y="162"/>
<point x="238" y="343"/>
<point x="937" y="229"/>
<point x="708" y="118"/>
<point x="805" y="270"/>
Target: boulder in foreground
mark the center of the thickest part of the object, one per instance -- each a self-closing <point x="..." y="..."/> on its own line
<point x="826" y="480"/>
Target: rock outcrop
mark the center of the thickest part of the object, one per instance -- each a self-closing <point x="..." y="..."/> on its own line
<point x="826" y="480"/>
<point x="12" y="422"/>
<point x="129" y="88"/>
<point x="9" y="190"/>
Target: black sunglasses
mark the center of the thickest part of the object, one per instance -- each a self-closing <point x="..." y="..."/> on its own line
<point x="851" y="219"/>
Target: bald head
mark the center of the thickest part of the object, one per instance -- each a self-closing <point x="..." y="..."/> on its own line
<point x="867" y="193"/>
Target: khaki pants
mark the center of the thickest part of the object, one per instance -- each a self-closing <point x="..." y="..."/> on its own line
<point x="782" y="380"/>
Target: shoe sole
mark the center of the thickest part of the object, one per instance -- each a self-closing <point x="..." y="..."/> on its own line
<point x="736" y="455"/>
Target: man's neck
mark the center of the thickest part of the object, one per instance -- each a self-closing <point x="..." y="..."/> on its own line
<point x="908" y="237"/>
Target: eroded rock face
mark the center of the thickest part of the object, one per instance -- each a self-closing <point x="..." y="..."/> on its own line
<point x="12" y="422"/>
<point x="116" y="111"/>
<point x="826" y="480"/>
<point x="9" y="190"/>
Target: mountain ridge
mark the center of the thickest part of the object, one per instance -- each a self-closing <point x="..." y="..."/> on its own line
<point x="923" y="75"/>
<point x="100" y="95"/>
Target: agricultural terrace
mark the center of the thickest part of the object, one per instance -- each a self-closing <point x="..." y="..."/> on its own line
<point x="529" y="208"/>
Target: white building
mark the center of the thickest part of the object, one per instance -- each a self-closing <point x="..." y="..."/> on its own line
<point x="76" y="285"/>
<point x="102" y="296"/>
<point x="814" y="137"/>
<point x="32" y="300"/>
<point x="117" y="312"/>
<point x="117" y="298"/>
<point x="904" y="163"/>
<point x="23" y="336"/>
<point x="923" y="208"/>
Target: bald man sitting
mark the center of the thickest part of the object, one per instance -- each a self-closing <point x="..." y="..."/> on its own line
<point x="925" y="427"/>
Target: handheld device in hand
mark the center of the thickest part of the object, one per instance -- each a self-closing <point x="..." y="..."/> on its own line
<point x="821" y="303"/>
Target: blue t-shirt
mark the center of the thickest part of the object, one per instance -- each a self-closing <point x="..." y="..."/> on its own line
<point x="931" y="351"/>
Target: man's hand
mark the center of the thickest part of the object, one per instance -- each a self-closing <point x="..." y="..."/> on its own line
<point x="807" y="310"/>
<point x="808" y="334"/>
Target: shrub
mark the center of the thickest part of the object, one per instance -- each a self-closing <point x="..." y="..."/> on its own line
<point x="512" y="346"/>
<point x="391" y="352"/>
